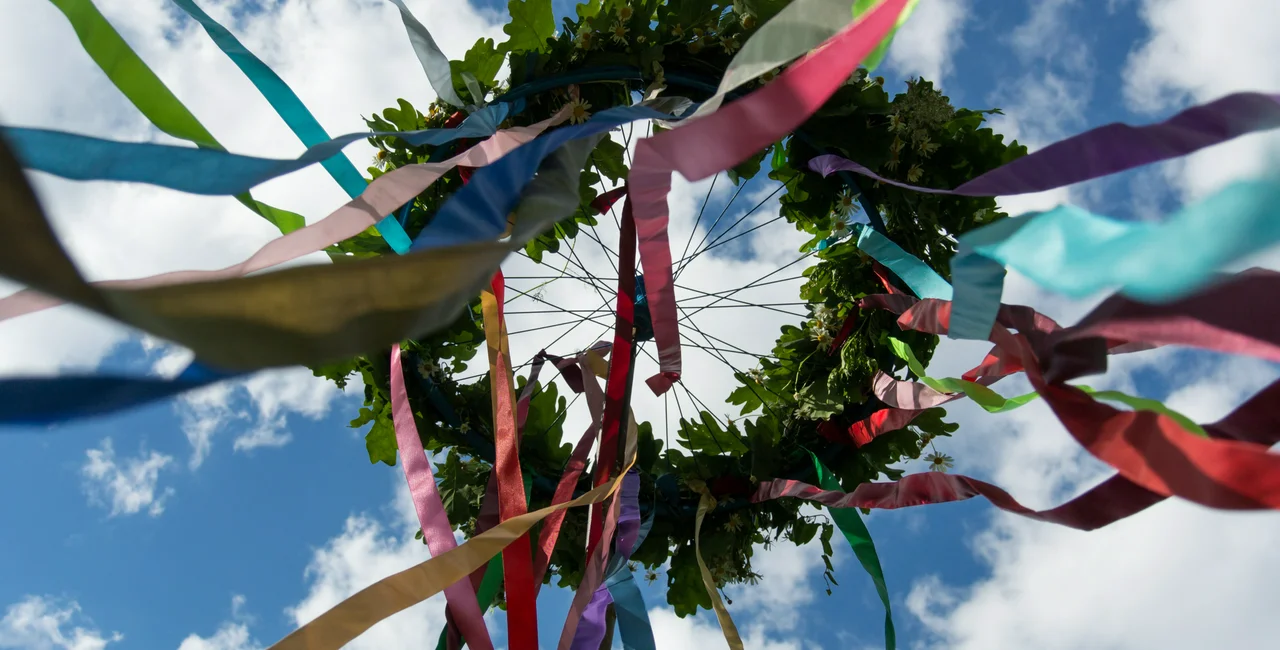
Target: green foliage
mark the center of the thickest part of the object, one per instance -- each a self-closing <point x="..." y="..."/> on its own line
<point x="532" y="24"/>
<point x="915" y="136"/>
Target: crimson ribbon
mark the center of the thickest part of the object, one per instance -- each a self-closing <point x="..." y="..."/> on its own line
<point x="619" y="367"/>
<point x="1151" y="449"/>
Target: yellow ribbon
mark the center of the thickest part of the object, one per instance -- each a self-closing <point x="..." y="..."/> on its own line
<point x="705" y="505"/>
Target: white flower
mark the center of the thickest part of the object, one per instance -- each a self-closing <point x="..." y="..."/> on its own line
<point x="580" y="111"/>
<point x="427" y="368"/>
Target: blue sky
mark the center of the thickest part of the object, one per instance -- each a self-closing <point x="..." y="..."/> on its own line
<point x="204" y="522"/>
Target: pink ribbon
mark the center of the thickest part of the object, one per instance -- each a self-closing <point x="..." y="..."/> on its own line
<point x="436" y="530"/>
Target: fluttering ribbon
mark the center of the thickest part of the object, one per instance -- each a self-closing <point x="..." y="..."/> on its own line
<point x="397" y="187"/>
<point x="798" y="28"/>
<point x="436" y="530"/>
<point x="143" y="89"/>
<point x="294" y="316"/>
<point x="1105" y="150"/>
<point x="290" y="108"/>
<point x="1076" y="253"/>
<point x="723" y="139"/>
<point x="632" y="615"/>
<point x="855" y="532"/>
<point x="212" y="172"/>
<point x="591" y="630"/>
<point x="517" y="558"/>
<point x="1151" y="449"/>
<point x="345" y="621"/>
<point x="433" y="61"/>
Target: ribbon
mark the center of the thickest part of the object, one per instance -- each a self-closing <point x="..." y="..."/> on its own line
<point x="595" y="566"/>
<point x="433" y="61"/>
<point x="724" y="138"/>
<point x="294" y="316"/>
<point x="620" y="364"/>
<point x="855" y="531"/>
<point x="517" y="567"/>
<point x="922" y="280"/>
<point x="1105" y="150"/>
<point x="345" y="621"/>
<point x="1076" y="253"/>
<point x="395" y="188"/>
<point x="436" y="530"/>
<point x="1151" y="449"/>
<point x="290" y="108"/>
<point x="144" y="90"/>
<point x="212" y="172"/>
<point x="706" y="503"/>
<point x="591" y="630"/>
<point x="791" y="33"/>
<point x="629" y="607"/>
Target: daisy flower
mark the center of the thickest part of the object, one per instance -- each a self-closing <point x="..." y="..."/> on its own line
<point x="824" y="339"/>
<point x="427" y="368"/>
<point x="927" y="147"/>
<point x="730" y="44"/>
<point x="756" y="375"/>
<point x="846" y="202"/>
<point x="940" y="462"/>
<point x="620" y="34"/>
<point x="915" y="173"/>
<point x="464" y="427"/>
<point x="580" y="111"/>
<point x="585" y="39"/>
<point x="625" y="12"/>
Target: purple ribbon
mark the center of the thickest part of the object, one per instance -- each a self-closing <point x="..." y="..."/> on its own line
<point x="591" y="629"/>
<point x="1105" y="150"/>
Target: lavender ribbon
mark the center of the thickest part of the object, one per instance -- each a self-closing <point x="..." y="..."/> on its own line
<point x="1106" y="150"/>
<point x="591" y="629"/>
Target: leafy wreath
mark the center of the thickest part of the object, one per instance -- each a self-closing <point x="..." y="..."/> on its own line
<point x="819" y="375"/>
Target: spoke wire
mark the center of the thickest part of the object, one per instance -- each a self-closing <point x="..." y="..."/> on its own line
<point x="684" y="255"/>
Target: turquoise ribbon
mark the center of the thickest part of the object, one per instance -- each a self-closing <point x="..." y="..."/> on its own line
<point x="290" y="108"/>
<point x="1074" y="252"/>
<point x="924" y="281"/>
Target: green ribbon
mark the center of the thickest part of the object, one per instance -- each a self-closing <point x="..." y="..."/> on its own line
<point x="877" y="55"/>
<point x="994" y="402"/>
<point x="855" y="531"/>
<point x="148" y="93"/>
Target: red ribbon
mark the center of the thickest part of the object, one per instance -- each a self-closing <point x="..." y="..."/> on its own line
<point x="517" y="559"/>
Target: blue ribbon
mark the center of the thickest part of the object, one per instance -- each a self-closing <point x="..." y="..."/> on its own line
<point x="479" y="210"/>
<point x="201" y="171"/>
<point x="628" y="602"/>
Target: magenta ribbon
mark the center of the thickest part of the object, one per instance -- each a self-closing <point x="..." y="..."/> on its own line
<point x="1106" y="150"/>
<point x="591" y="629"/>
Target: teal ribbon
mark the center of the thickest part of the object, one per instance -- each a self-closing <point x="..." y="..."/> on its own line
<point x="290" y="108"/>
<point x="855" y="531"/>
<point x="924" y="281"/>
<point x="1074" y="252"/>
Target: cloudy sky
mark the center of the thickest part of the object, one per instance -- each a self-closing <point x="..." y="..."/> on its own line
<point x="225" y="518"/>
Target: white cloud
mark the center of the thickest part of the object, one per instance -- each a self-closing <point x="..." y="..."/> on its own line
<point x="230" y="635"/>
<point x="368" y="550"/>
<point x="1197" y="52"/>
<point x="924" y="47"/>
<point x="259" y="406"/>
<point x="126" y="486"/>
<point x="46" y="623"/>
